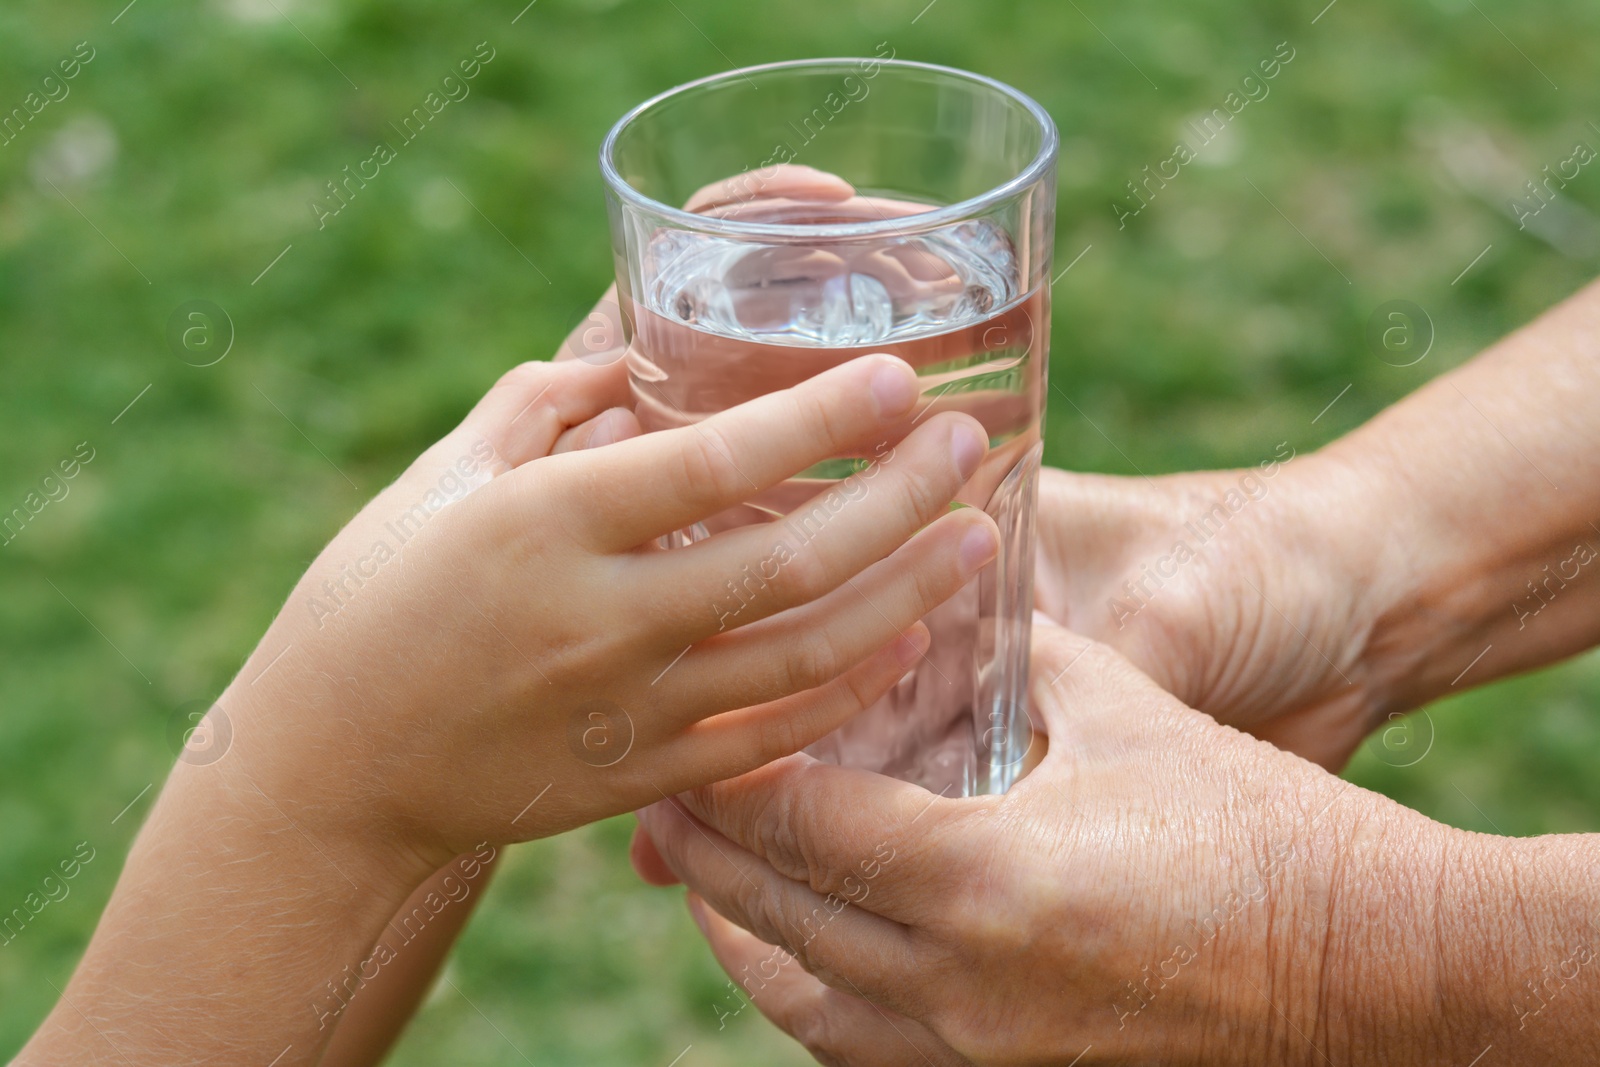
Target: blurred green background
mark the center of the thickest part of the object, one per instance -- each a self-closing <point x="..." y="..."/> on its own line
<point x="1221" y="321"/>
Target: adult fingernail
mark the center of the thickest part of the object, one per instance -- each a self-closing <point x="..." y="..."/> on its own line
<point x="967" y="448"/>
<point x="894" y="387"/>
<point x="978" y="548"/>
<point x="697" y="911"/>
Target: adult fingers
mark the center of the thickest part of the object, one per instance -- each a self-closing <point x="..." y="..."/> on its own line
<point x="833" y="936"/>
<point x="675" y="478"/>
<point x="837" y="1027"/>
<point x="790" y="181"/>
<point x="842" y="831"/>
<point x="647" y="862"/>
<point x="733" y="743"/>
<point x="813" y="644"/>
<point x="600" y="337"/>
<point x="768" y="567"/>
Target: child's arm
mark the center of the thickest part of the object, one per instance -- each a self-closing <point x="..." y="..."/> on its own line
<point x="373" y="1020"/>
<point x="371" y="1023"/>
<point x="456" y="669"/>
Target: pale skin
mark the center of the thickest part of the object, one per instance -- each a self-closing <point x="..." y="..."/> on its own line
<point x="1369" y="578"/>
<point x="446" y="707"/>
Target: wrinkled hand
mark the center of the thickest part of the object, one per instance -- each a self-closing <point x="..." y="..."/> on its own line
<point x="1160" y="889"/>
<point x="1248" y="594"/>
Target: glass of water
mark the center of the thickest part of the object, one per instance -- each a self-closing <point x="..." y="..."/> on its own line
<point x="835" y="208"/>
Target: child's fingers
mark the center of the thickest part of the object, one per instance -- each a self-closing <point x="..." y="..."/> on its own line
<point x="608" y="427"/>
<point x="531" y="405"/>
<point x="672" y="479"/>
<point x="747" y="574"/>
<point x="812" y="645"/>
<point x="518" y="420"/>
<point x="730" y="744"/>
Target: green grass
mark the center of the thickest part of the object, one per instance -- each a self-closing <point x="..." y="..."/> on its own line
<point x="1207" y="331"/>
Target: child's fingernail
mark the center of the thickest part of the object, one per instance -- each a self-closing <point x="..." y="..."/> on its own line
<point x="912" y="646"/>
<point x="697" y="910"/>
<point x="893" y="389"/>
<point x="967" y="447"/>
<point x="978" y="548"/>
<point x="605" y="433"/>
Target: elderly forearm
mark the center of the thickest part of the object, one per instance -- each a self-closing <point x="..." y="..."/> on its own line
<point x="1454" y="944"/>
<point x="232" y="936"/>
<point x="1488" y="482"/>
<point x="1526" y="958"/>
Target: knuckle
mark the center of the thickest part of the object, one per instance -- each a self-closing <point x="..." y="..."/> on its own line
<point x="708" y="470"/>
<point x="524" y="381"/>
<point x="822" y="421"/>
<point x="750" y="901"/>
<point x="804" y="577"/>
<point x="761" y="904"/>
<point x="923" y="494"/>
<point x="777" y="842"/>
<point x="979" y="914"/>
<point x="932" y="586"/>
<point x="863" y="690"/>
<point x="779" y="736"/>
<point x="839" y="888"/>
<point x="814" y="1026"/>
<point x="812" y="661"/>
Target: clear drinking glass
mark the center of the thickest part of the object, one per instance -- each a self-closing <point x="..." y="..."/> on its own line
<point x="928" y="236"/>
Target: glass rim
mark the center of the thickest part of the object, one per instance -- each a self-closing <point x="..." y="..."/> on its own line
<point x="1042" y="161"/>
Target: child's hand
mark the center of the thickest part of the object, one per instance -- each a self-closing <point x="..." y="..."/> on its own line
<point x="503" y="666"/>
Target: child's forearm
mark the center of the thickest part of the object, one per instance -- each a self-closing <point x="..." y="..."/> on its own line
<point x="230" y="914"/>
<point x="417" y="940"/>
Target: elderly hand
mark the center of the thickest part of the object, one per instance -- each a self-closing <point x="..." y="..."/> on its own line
<point x="1249" y="594"/>
<point x="1161" y="889"/>
<point x="1445" y="543"/>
